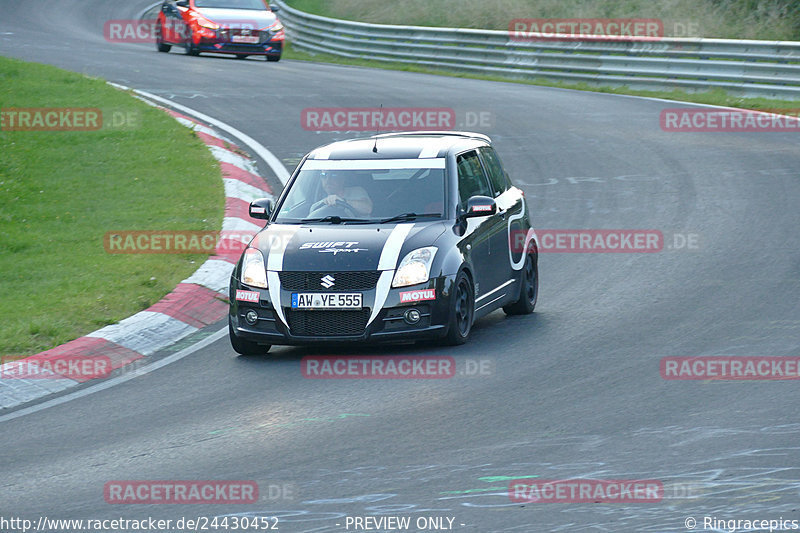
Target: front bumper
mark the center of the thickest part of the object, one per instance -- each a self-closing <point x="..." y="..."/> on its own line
<point x="304" y="327"/>
<point x="221" y="46"/>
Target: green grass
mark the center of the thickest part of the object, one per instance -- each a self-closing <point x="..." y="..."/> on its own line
<point x="732" y="19"/>
<point x="60" y="192"/>
<point x="713" y="97"/>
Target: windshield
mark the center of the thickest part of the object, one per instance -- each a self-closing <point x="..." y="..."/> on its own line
<point x="232" y="4"/>
<point x="365" y="191"/>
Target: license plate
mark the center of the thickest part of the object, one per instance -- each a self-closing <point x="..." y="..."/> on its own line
<point x="251" y="39"/>
<point x="327" y="300"/>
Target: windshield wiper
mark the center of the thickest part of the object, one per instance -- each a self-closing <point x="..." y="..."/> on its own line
<point x="409" y="216"/>
<point x="333" y="219"/>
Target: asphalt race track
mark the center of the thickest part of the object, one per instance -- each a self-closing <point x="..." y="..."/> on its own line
<point x="574" y="390"/>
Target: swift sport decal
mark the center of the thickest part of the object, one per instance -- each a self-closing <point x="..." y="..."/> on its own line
<point x="340" y="244"/>
<point x="333" y="247"/>
<point x="335" y="251"/>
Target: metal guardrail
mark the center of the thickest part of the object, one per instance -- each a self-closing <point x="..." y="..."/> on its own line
<point x="743" y="68"/>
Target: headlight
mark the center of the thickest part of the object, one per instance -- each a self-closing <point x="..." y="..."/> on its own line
<point x="275" y="31"/>
<point x="415" y="267"/>
<point x="205" y="23"/>
<point x="254" y="272"/>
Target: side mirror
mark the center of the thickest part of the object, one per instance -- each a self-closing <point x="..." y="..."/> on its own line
<point x="274" y="8"/>
<point x="182" y="3"/>
<point x="480" y="206"/>
<point x="261" y="208"/>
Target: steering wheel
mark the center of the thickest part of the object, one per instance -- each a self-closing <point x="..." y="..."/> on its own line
<point x="341" y="207"/>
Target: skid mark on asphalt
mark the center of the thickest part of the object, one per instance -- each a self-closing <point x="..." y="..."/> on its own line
<point x="252" y="430"/>
<point x="745" y="481"/>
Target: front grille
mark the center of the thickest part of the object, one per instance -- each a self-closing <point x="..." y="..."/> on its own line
<point x="240" y="48"/>
<point x="327" y="323"/>
<point x="228" y="34"/>
<point x="343" y="281"/>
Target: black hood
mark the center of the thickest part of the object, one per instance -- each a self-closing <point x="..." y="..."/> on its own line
<point x="342" y="247"/>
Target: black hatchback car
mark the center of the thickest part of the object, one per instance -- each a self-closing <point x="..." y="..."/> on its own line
<point x="396" y="237"/>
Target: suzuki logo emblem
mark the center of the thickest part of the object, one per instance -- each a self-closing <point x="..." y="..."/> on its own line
<point x="327" y="281"/>
<point x="245" y="32"/>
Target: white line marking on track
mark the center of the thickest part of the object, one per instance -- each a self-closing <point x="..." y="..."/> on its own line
<point x="274" y="163"/>
<point x="119" y="379"/>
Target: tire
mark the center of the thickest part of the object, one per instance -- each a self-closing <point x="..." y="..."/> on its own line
<point x="273" y="59"/>
<point x="462" y="311"/>
<point x="529" y="288"/>
<point x="160" y="46"/>
<point x="244" y="346"/>
<point x="189" y="49"/>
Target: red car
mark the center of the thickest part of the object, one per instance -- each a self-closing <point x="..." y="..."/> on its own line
<point x="238" y="27"/>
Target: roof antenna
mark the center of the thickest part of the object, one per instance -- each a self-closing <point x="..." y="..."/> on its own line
<point x="377" y="129"/>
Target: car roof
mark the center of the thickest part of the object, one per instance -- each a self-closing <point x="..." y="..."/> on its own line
<point x="404" y="145"/>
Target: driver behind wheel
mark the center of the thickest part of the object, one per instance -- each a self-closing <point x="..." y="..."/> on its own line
<point x="336" y="186"/>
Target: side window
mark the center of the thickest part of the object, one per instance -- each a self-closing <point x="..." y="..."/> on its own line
<point x="495" y="170"/>
<point x="471" y="179"/>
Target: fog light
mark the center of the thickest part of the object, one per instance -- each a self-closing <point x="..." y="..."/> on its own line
<point x="411" y="316"/>
<point x="251" y="317"/>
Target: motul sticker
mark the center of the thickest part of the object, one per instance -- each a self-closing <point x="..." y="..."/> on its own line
<point x="247" y="296"/>
<point x="417" y="296"/>
<point x="482" y="208"/>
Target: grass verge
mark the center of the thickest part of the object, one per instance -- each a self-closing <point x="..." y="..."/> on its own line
<point x="727" y="19"/>
<point x="60" y="192"/>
